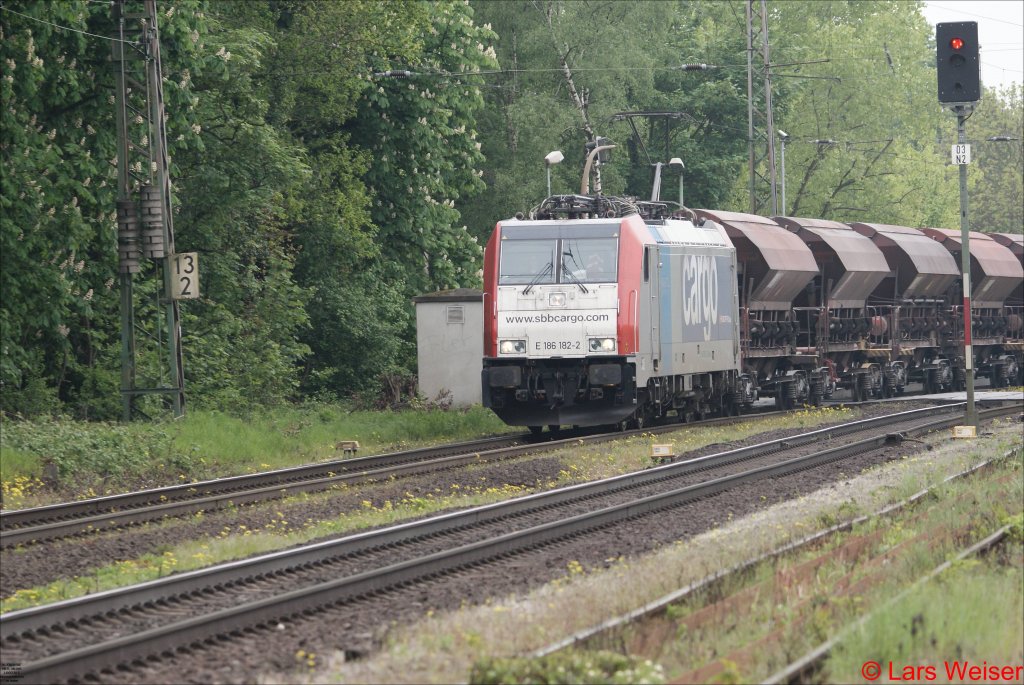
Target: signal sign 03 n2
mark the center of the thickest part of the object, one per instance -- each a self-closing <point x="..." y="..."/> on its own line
<point x="957" y="61"/>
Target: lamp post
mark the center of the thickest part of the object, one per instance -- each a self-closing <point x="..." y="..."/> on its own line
<point x="677" y="162"/>
<point x="783" y="136"/>
<point x="549" y="161"/>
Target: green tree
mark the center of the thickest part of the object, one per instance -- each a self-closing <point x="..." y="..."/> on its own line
<point x="875" y="97"/>
<point x="420" y="132"/>
<point x="60" y="313"/>
<point x="572" y="70"/>
<point x="57" y="231"/>
<point x="997" y="199"/>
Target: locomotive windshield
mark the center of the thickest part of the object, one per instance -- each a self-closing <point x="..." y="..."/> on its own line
<point x="588" y="260"/>
<point x="591" y="260"/>
<point x="527" y="261"/>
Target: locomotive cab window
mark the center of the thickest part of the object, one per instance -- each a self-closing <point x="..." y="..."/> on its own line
<point x="527" y="261"/>
<point x="590" y="260"/>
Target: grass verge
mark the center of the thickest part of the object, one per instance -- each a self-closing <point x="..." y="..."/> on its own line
<point x="46" y="461"/>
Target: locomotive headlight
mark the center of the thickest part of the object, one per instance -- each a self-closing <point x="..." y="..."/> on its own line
<point x="556" y="299"/>
<point x="602" y="344"/>
<point x="513" y="346"/>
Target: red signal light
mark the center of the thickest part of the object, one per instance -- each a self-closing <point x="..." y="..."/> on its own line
<point x="956" y="43"/>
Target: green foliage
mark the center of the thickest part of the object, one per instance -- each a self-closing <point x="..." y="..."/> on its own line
<point x="420" y="133"/>
<point x="565" y="668"/>
<point x="1016" y="524"/>
<point x="874" y="96"/>
<point x="971" y="613"/>
<point x="79" y="452"/>
<point x="997" y="199"/>
<point x="77" y="455"/>
<point x="57" y="198"/>
<point x="322" y="195"/>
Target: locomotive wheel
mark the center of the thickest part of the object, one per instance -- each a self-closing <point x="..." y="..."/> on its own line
<point x="535" y="430"/>
<point x="858" y="389"/>
<point x="815" y="399"/>
<point x="782" y="399"/>
<point x="554" y="427"/>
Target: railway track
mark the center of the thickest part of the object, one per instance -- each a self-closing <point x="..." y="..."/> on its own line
<point x="605" y="632"/>
<point x="807" y="669"/>
<point x="69" y="639"/>
<point x="41" y="524"/>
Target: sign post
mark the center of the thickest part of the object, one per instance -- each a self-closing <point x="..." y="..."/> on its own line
<point x="964" y="157"/>
<point x="957" y="60"/>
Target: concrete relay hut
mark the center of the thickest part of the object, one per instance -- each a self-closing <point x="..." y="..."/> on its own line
<point x="450" y="344"/>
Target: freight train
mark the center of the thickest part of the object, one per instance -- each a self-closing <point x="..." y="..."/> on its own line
<point x="614" y="311"/>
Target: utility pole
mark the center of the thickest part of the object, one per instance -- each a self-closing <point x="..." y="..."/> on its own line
<point x="760" y="124"/>
<point x="144" y="212"/>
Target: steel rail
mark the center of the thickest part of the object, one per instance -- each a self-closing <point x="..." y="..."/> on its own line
<point x="297" y="602"/>
<point x="803" y="669"/>
<point x="41" y="524"/>
<point x="18" y="518"/>
<point x="67" y="611"/>
<point x="658" y="606"/>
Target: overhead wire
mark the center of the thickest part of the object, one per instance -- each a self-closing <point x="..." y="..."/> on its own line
<point x="68" y="28"/>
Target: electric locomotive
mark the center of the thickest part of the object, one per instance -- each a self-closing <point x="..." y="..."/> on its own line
<point x="610" y="311"/>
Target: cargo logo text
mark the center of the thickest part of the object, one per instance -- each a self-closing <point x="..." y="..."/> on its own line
<point x="700" y="292"/>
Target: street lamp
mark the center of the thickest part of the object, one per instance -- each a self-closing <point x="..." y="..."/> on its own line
<point x="783" y="136"/>
<point x="549" y="161"/>
<point x="675" y="161"/>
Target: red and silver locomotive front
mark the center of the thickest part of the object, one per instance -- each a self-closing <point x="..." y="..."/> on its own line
<point x="551" y="309"/>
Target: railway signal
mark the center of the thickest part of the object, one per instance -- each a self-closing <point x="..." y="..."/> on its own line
<point x="957" y="65"/>
<point x="957" y="61"/>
